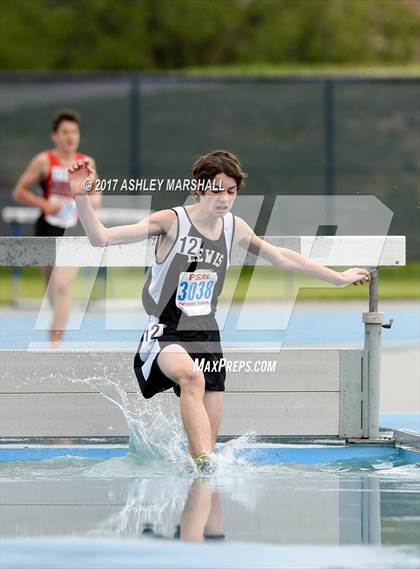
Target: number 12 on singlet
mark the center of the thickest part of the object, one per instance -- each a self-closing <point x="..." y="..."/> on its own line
<point x="195" y="292"/>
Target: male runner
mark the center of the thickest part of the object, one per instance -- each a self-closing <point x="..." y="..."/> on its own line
<point x="184" y="282"/>
<point x="58" y="212"/>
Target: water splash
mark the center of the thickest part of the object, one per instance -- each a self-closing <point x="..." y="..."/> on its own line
<point x="227" y="459"/>
<point x="156" y="435"/>
<point x="154" y="426"/>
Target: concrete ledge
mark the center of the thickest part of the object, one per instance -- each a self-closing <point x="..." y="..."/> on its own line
<point x="407" y="438"/>
<point x="313" y="392"/>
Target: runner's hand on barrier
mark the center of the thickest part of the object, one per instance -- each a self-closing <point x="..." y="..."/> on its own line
<point x="355" y="276"/>
<point x="82" y="177"/>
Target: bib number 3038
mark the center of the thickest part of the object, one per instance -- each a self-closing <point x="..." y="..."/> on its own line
<point x="195" y="292"/>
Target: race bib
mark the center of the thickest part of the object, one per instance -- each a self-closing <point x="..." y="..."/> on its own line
<point x="66" y="216"/>
<point x="195" y="292"/>
<point x="152" y="332"/>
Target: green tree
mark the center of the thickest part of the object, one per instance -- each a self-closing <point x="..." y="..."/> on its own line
<point x="175" y="34"/>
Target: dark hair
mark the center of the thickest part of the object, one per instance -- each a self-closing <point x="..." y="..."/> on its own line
<point x="65" y="115"/>
<point x="218" y="162"/>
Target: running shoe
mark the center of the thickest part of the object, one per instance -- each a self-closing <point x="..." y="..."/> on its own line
<point x="205" y="463"/>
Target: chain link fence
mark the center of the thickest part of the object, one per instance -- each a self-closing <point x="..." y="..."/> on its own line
<point x="294" y="136"/>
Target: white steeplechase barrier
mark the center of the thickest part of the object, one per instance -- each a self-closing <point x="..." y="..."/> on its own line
<point x="17" y="216"/>
<point x="314" y="392"/>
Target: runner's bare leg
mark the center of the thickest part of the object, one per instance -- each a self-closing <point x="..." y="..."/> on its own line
<point x="213" y="401"/>
<point x="59" y="294"/>
<point x="178" y="366"/>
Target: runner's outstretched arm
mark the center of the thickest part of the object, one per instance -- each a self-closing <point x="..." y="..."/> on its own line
<point x="101" y="236"/>
<point x="292" y="261"/>
<point x="33" y="174"/>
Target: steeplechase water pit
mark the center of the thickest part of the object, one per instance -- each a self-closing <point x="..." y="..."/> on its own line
<point x="99" y="476"/>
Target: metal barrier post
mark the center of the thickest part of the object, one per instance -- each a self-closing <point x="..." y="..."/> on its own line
<point x="373" y="327"/>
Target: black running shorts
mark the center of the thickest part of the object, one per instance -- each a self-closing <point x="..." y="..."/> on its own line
<point x="203" y="346"/>
<point x="45" y="229"/>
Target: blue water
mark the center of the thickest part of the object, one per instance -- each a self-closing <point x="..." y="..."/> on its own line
<point x="120" y="512"/>
<point x="266" y="454"/>
<point x="111" y="553"/>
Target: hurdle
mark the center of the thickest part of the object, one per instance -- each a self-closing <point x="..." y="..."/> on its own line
<point x="328" y="392"/>
<point x="17" y="216"/>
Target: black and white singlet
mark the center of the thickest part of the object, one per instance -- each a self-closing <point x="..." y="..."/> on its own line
<point x="180" y="296"/>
